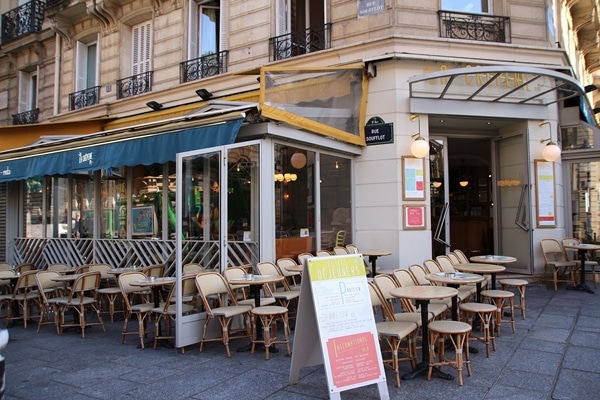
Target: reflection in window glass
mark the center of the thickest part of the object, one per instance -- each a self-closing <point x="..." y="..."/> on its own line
<point x="34" y="219"/>
<point x="336" y="222"/>
<point x="83" y="206"/>
<point x="585" y="201"/>
<point x="114" y="204"/>
<point x="476" y="6"/>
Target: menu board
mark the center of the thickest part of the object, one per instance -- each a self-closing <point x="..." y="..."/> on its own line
<point x="335" y="303"/>
<point x="544" y="194"/>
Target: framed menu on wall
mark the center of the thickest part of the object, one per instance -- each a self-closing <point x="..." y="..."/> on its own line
<point x="413" y="174"/>
<point x="545" y="198"/>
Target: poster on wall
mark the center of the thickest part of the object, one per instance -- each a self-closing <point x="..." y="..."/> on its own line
<point x="544" y="194"/>
<point x="413" y="173"/>
<point x="143" y="221"/>
<point x="414" y="216"/>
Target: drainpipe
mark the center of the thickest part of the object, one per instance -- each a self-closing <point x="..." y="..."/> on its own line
<point x="57" y="74"/>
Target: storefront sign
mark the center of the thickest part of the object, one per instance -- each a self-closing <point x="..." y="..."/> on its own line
<point x="335" y="305"/>
<point x="379" y="133"/>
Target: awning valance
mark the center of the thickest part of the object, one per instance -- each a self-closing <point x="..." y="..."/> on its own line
<point x="118" y="150"/>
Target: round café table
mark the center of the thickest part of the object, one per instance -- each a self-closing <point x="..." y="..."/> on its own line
<point x="155" y="283"/>
<point x="422" y="295"/>
<point x="582" y="248"/>
<point x="455" y="280"/>
<point x="373" y="256"/>
<point x="481" y="268"/>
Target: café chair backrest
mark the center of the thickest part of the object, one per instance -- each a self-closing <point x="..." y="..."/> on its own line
<point x="419" y="274"/>
<point x="445" y="263"/>
<point x="432" y="266"/>
<point x="192" y="268"/>
<point x="60" y="267"/>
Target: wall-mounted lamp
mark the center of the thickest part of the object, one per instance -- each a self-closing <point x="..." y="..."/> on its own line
<point x="551" y="151"/>
<point x="420" y="147"/>
<point x="155" y="105"/>
<point x="204" y="94"/>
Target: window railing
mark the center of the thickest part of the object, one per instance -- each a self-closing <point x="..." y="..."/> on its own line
<point x="84" y="98"/>
<point x="23" y="20"/>
<point x="481" y="27"/>
<point x="52" y="3"/>
<point x="297" y="43"/>
<point x="26" y="117"/>
<point x="202" y="67"/>
<point x="134" y="85"/>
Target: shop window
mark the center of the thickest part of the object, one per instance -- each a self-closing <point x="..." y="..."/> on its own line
<point x="113" y="190"/>
<point x="82" y="202"/>
<point x="294" y="201"/>
<point x="151" y="199"/>
<point x="335" y="185"/>
<point x="481" y="6"/>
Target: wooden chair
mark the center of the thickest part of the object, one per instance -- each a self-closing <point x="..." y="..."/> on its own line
<point x="590" y="265"/>
<point x="303" y="256"/>
<point x="140" y="309"/>
<point x="340" y="250"/>
<point x="48" y="290"/>
<point x="323" y="253"/>
<point x="19" y="269"/>
<point x="557" y="263"/>
<point x="81" y="298"/>
<point x="213" y="285"/>
<point x="109" y="290"/>
<point x="282" y="292"/>
<point x="156" y="270"/>
<point x="407" y="313"/>
<point x="241" y="291"/>
<point x="282" y="264"/>
<point x="164" y="325"/>
<point x="24" y="296"/>
<point x="192" y="268"/>
<point x="395" y="333"/>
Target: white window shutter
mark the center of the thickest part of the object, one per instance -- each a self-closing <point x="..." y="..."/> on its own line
<point x="80" y="67"/>
<point x="141" y="48"/>
<point x="193" y="31"/>
<point x="283" y="23"/>
<point x="23" y="91"/>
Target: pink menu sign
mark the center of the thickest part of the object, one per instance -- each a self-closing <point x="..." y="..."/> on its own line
<point x="353" y="359"/>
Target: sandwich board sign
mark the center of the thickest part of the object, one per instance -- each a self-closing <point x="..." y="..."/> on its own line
<point x="335" y="306"/>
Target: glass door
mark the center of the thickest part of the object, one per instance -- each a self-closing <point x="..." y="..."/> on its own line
<point x="512" y="210"/>
<point x="585" y="199"/>
<point x="440" y="222"/>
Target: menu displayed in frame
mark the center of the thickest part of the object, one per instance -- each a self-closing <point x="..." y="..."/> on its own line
<point x="413" y="173"/>
<point x="544" y="194"/>
<point x="335" y="304"/>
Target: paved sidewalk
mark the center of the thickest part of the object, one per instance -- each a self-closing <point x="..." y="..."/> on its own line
<point x="555" y="354"/>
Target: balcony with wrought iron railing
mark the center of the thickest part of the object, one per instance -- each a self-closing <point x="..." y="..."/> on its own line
<point x="134" y="85"/>
<point x="298" y="43"/>
<point x="84" y="98"/>
<point x="480" y="27"/>
<point x="26" y="117"/>
<point x="53" y="3"/>
<point x="205" y="66"/>
<point x="23" y="20"/>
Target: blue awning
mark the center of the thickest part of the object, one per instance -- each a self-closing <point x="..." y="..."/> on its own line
<point x="116" y="151"/>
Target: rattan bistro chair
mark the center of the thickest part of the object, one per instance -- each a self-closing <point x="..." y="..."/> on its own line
<point x="395" y="333"/>
<point x="141" y="308"/>
<point x="590" y="265"/>
<point x="213" y="286"/>
<point x="81" y="298"/>
<point x="49" y="290"/>
<point x="557" y="263"/>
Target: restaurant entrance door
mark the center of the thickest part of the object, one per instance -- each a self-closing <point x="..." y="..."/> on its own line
<point x="461" y="195"/>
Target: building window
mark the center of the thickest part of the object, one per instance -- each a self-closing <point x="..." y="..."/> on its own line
<point x="28" y="87"/>
<point x="87" y="66"/>
<point x="481" y="6"/>
<point x="141" y="48"/>
<point x="300" y="28"/>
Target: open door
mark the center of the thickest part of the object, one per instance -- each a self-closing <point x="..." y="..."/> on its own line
<point x="513" y="200"/>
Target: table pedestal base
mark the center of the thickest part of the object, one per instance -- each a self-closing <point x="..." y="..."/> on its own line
<point x="581" y="286"/>
<point x="423" y="368"/>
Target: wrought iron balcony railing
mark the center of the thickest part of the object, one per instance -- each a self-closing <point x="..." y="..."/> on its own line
<point x="84" y="98"/>
<point x="26" y="117"/>
<point x="481" y="27"/>
<point x="52" y="3"/>
<point x="297" y="43"/>
<point x="134" y="85"/>
<point x="202" y="67"/>
<point x="23" y="20"/>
